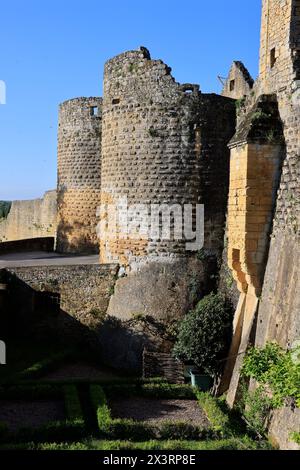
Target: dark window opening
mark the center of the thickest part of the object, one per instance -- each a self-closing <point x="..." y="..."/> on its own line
<point x="116" y="101"/>
<point x="273" y="57"/>
<point x="232" y="85"/>
<point x="94" y="111"/>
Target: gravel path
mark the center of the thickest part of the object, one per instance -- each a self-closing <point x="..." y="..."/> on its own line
<point x="33" y="414"/>
<point x="156" y="410"/>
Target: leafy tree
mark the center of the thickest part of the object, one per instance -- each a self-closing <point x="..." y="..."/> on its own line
<point x="204" y="334"/>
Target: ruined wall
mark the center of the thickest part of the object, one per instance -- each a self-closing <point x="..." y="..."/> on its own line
<point x="79" y="166"/>
<point x="30" y="219"/>
<point x="239" y="82"/>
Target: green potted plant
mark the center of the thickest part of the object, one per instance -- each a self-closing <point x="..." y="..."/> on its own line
<point x="203" y="338"/>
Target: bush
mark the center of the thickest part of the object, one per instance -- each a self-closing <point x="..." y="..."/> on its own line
<point x="183" y="431"/>
<point x="5" y="207"/>
<point x="219" y="420"/>
<point x="276" y="370"/>
<point x="255" y="406"/>
<point x="130" y="430"/>
<point x="72" y="403"/>
<point x="295" y="436"/>
<point x="101" y="408"/>
<point x="205" y="333"/>
<point x="52" y="432"/>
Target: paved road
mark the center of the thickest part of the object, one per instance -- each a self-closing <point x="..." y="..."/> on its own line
<point x="40" y="258"/>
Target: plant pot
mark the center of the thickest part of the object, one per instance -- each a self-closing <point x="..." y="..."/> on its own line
<point x="201" y="381"/>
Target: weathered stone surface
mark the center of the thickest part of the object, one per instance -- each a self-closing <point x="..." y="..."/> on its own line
<point x="283" y="423"/>
<point x="55" y="294"/>
<point x="278" y="312"/>
<point x="30" y="219"/>
<point x="79" y="166"/>
<point x="239" y="82"/>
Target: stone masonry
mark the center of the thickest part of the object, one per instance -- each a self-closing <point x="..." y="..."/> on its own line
<point x="273" y="315"/>
<point x="79" y="166"/>
<point x="30" y="219"/>
<point x="239" y="82"/>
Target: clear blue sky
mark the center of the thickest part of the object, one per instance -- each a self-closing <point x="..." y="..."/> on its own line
<point x="53" y="50"/>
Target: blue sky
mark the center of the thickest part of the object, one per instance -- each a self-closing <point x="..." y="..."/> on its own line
<point x="53" y="50"/>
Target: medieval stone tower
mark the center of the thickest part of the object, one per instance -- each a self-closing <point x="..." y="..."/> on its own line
<point x="79" y="166"/>
<point x="159" y="150"/>
<point x="280" y="45"/>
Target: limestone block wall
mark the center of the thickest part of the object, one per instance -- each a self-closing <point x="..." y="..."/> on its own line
<point x="278" y="317"/>
<point x="160" y="145"/>
<point x="30" y="219"/>
<point x="239" y="82"/>
<point x="79" y="167"/>
<point x="148" y="146"/>
<point x="280" y="44"/>
<point x="279" y="304"/>
<point x="66" y="301"/>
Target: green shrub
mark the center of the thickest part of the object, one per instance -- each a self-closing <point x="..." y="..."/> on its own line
<point x="183" y="431"/>
<point x="205" y="333"/>
<point x="243" y="443"/>
<point x="99" y="403"/>
<point x="130" y="429"/>
<point x="52" y="432"/>
<point x="255" y="406"/>
<point x="295" y="436"/>
<point x="72" y="403"/>
<point x="5" y="207"/>
<point x="219" y="420"/>
<point x="276" y="370"/>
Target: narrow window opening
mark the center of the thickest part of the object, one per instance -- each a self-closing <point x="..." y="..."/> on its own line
<point x="273" y="57"/>
<point x="94" y="111"/>
<point x="232" y="85"/>
<point x="116" y="101"/>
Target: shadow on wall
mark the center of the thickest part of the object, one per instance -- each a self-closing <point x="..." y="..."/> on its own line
<point x="35" y="315"/>
<point x="76" y="237"/>
<point x="68" y="242"/>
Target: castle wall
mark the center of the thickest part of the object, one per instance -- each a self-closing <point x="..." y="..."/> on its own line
<point x="148" y="147"/>
<point x="68" y="302"/>
<point x="239" y="82"/>
<point x="277" y="316"/>
<point x="163" y="143"/>
<point x="280" y="41"/>
<point x="79" y="167"/>
<point x="30" y="219"/>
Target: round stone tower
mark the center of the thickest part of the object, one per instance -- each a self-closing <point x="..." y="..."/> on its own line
<point x="79" y="168"/>
<point x="149" y="154"/>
